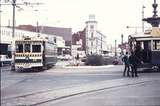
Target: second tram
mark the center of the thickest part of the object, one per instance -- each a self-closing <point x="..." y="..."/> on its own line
<point x="147" y="48"/>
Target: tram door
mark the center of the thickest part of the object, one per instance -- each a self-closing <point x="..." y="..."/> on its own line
<point x="146" y="52"/>
<point x="143" y="50"/>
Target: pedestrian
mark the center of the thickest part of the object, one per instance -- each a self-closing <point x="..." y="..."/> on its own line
<point x="125" y="59"/>
<point x="77" y="59"/>
<point x="134" y="62"/>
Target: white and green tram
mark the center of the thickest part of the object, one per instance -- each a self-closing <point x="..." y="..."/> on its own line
<point x="35" y="53"/>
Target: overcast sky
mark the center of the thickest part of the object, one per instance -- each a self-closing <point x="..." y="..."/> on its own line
<point x="112" y="15"/>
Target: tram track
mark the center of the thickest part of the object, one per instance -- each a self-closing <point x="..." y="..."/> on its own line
<point x="91" y="91"/>
<point x="20" y="81"/>
<point x="26" y="78"/>
<point x="53" y="95"/>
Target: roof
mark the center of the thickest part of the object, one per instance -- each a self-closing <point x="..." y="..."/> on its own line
<point x="154" y="33"/>
<point x="66" y="33"/>
<point x="140" y="35"/>
<point x="144" y="37"/>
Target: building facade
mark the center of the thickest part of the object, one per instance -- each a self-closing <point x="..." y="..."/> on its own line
<point x="65" y="33"/>
<point x="95" y="40"/>
<point x="6" y="38"/>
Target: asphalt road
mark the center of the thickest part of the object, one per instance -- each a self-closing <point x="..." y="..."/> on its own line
<point x="144" y="94"/>
<point x="60" y="86"/>
<point x="16" y="84"/>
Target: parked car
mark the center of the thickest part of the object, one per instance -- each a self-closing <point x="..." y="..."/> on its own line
<point x="83" y="59"/>
<point x="64" y="57"/>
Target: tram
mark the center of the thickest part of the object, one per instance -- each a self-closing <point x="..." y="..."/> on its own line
<point x="147" y="48"/>
<point x="35" y="53"/>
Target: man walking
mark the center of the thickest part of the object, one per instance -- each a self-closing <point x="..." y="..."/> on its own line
<point x="125" y="59"/>
<point x="134" y="61"/>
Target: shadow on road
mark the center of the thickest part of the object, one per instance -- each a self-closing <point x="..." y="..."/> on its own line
<point x="148" y="70"/>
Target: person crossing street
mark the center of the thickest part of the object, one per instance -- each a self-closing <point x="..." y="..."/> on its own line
<point x="125" y="59"/>
<point x="134" y="62"/>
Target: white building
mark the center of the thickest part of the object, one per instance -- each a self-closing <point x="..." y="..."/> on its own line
<point x="95" y="40"/>
<point x="76" y="49"/>
<point x="6" y="38"/>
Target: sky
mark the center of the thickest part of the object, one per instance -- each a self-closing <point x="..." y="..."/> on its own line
<point x="113" y="16"/>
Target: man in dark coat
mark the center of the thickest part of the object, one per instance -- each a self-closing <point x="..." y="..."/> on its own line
<point x="134" y="62"/>
<point x="125" y="59"/>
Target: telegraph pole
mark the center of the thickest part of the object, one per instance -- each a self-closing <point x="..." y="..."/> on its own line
<point x="122" y="44"/>
<point x="101" y="45"/>
<point x="13" y="36"/>
<point x="143" y="18"/>
<point x="0" y="17"/>
<point x="115" y="48"/>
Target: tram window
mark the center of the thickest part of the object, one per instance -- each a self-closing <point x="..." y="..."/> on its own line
<point x="19" y="48"/>
<point x="156" y="45"/>
<point x="27" y="47"/>
<point x="36" y="48"/>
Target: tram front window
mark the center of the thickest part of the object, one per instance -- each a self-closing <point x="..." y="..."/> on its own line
<point x="27" y="47"/>
<point x="156" y="45"/>
<point x="36" y="48"/>
<point x="19" y="48"/>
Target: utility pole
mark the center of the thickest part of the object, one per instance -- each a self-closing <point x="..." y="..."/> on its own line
<point x="37" y="24"/>
<point x="143" y="18"/>
<point x="37" y="29"/>
<point x="115" y="48"/>
<point x="101" y="45"/>
<point x="121" y="44"/>
<point x="13" y="36"/>
<point x="0" y="17"/>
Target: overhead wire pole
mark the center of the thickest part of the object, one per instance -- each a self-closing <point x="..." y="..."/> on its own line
<point x="143" y="17"/>
<point x="0" y="19"/>
<point x="122" y="44"/>
<point x="13" y="36"/>
<point x="115" y="48"/>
